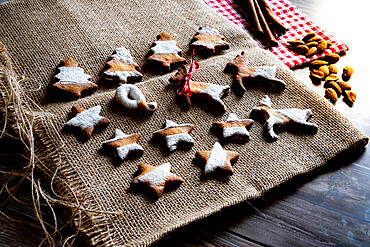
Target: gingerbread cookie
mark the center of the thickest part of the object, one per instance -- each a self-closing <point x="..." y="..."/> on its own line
<point x="175" y="133"/>
<point x="122" y="68"/>
<point x="87" y="120"/>
<point x="166" y="53"/>
<point x="131" y="97"/>
<point x="234" y="128"/>
<point x="209" y="39"/>
<point x="72" y="79"/>
<point x="209" y="91"/>
<point x="156" y="178"/>
<point x="125" y="144"/>
<point x="244" y="74"/>
<point x="282" y="117"/>
<point x="218" y="158"/>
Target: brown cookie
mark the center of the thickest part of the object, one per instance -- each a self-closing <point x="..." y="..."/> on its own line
<point x="72" y="79"/>
<point x="212" y="92"/>
<point x="166" y="53"/>
<point x="156" y="178"/>
<point x="208" y="39"/>
<point x="125" y="144"/>
<point x="87" y="120"/>
<point x="278" y="118"/>
<point x="234" y="128"/>
<point x="217" y="158"/>
<point x="122" y="68"/>
<point x="244" y="74"/>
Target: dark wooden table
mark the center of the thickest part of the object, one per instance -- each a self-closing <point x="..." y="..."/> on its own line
<point x="328" y="207"/>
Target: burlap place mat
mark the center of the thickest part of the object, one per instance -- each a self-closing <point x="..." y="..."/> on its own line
<point x="38" y="34"/>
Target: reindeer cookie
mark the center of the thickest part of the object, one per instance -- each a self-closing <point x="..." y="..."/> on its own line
<point x="131" y="97"/>
<point x="166" y="53"/>
<point x="72" y="79"/>
<point x="211" y="92"/>
<point x="282" y="117"/>
<point x="208" y="39"/>
<point x="244" y="74"/>
<point x="122" y="68"/>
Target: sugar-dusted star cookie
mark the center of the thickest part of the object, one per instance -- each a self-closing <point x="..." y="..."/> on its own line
<point x="218" y="158"/>
<point x="175" y="133"/>
<point x="234" y="128"/>
<point x="87" y="120"/>
<point x="125" y="144"/>
<point x="156" y="178"/>
<point x="209" y="39"/>
<point x="122" y="68"/>
<point x="282" y="117"/>
<point x="72" y="79"/>
<point x="243" y="73"/>
<point x="166" y="53"/>
<point x="209" y="91"/>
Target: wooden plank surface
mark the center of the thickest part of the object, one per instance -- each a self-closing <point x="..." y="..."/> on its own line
<point x="328" y="207"/>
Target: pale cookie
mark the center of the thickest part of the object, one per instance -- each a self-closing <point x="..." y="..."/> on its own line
<point x="209" y="39"/>
<point x="282" y="117"/>
<point x="234" y="128"/>
<point x="166" y="53"/>
<point x="125" y="144"/>
<point x="175" y="133"/>
<point x="156" y="178"/>
<point x="211" y="92"/>
<point x="87" y="120"/>
<point x="122" y="68"/>
<point x="72" y="79"/>
<point x="131" y="97"/>
<point x="244" y="74"/>
<point x="218" y="158"/>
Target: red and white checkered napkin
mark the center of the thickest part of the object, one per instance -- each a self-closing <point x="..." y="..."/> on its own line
<point x="292" y="18"/>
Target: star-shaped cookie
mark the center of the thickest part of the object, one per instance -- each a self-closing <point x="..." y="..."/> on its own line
<point x="209" y="39"/>
<point x="155" y="178"/>
<point x="243" y="73"/>
<point x="281" y="117"/>
<point x="209" y="91"/>
<point x="166" y="53"/>
<point x="122" y="67"/>
<point x="87" y="120"/>
<point x="125" y="144"/>
<point x="218" y="158"/>
<point x="234" y="128"/>
<point x="72" y="79"/>
<point x="175" y="133"/>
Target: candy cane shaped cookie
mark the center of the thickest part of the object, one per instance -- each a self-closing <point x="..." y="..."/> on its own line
<point x="131" y="97"/>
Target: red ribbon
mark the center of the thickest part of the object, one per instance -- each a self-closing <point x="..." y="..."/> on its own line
<point x="184" y="87"/>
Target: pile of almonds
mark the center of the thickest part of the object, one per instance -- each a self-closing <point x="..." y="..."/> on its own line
<point x="309" y="45"/>
<point x="326" y="70"/>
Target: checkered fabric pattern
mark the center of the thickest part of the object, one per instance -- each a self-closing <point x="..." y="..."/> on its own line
<point x="292" y="18"/>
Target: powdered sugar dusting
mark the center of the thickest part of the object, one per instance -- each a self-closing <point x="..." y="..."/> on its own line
<point x="86" y="118"/>
<point x="123" y="55"/>
<point x="208" y="30"/>
<point x="157" y="177"/>
<point x="267" y="72"/>
<point x="266" y="101"/>
<point x="125" y="150"/>
<point x="210" y="45"/>
<point x="123" y="75"/>
<point x="217" y="158"/>
<point x="72" y="75"/>
<point x="238" y="131"/>
<point x="232" y="117"/>
<point x="165" y="47"/>
<point x="216" y="92"/>
<point x="118" y="135"/>
<point x="173" y="140"/>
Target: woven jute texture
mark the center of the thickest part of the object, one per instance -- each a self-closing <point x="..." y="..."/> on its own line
<point x="38" y="34"/>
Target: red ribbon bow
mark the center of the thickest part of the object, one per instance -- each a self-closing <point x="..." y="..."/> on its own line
<point x="184" y="87"/>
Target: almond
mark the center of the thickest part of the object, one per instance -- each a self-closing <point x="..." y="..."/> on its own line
<point x="331" y="95"/>
<point x="319" y="62"/>
<point x="322" y="47"/>
<point x="347" y="72"/>
<point x="311" y="52"/>
<point x="335" y="86"/>
<point x="333" y="69"/>
<point x="344" y="85"/>
<point x="331" y="77"/>
<point x="308" y="36"/>
<point x="301" y="49"/>
<point x="332" y="58"/>
<point x="312" y="44"/>
<point x="318" y="74"/>
<point x="295" y="42"/>
<point x="349" y="97"/>
<point x="314" y="39"/>
<point x="325" y="70"/>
